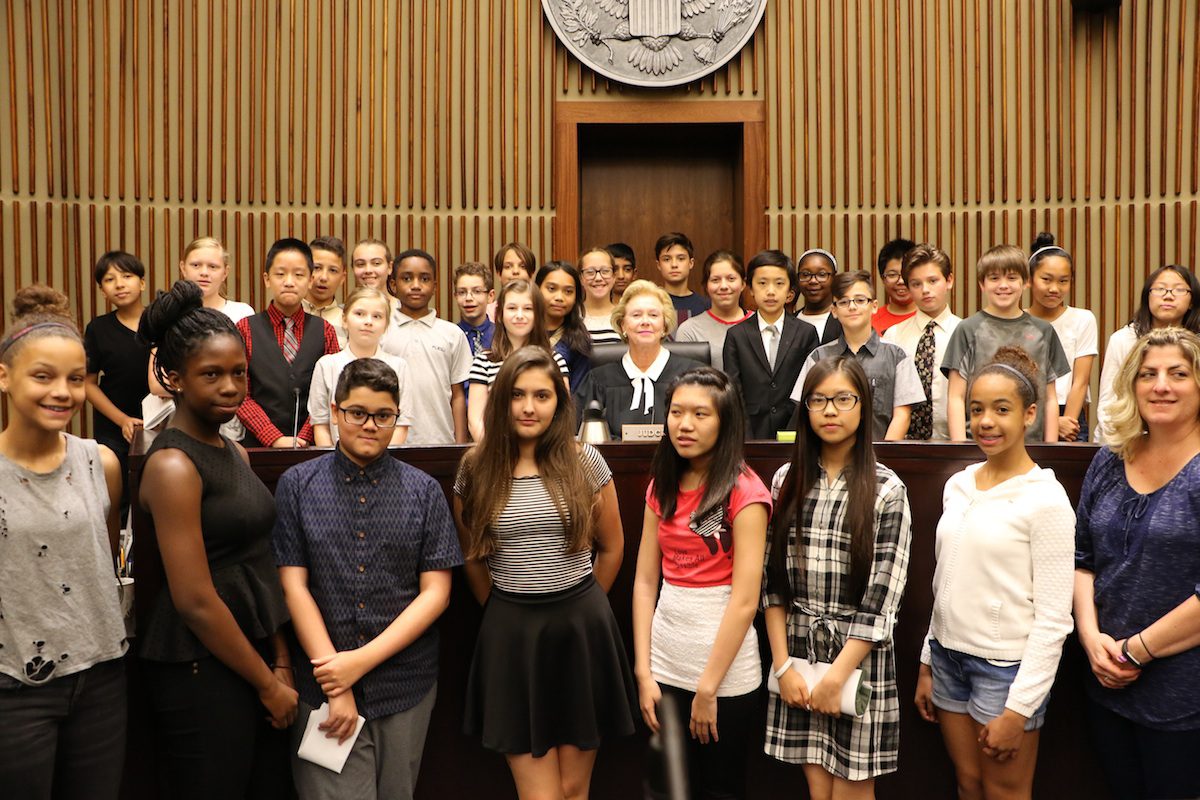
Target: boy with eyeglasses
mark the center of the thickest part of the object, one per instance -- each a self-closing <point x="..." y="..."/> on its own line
<point x="473" y="293"/>
<point x="900" y="304"/>
<point x="895" y="385"/>
<point x="814" y="272"/>
<point x="365" y="546"/>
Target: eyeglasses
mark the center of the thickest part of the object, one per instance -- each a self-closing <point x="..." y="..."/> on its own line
<point x="822" y="276"/>
<point x="601" y="272"/>
<point x="1169" y="291"/>
<point x="891" y="277"/>
<point x="470" y="292"/>
<point x="856" y="302"/>
<point x="359" y="416"/>
<point x="842" y="401"/>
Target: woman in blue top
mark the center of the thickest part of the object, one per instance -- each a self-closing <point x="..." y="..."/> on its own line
<point x="1137" y="562"/>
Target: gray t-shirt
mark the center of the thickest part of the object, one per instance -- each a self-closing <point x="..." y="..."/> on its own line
<point x="60" y="612"/>
<point x="893" y="377"/>
<point x="707" y="328"/>
<point x="977" y="338"/>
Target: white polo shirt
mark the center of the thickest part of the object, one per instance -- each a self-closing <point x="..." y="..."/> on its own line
<point x="438" y="357"/>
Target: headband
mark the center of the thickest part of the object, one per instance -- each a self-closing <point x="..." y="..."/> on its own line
<point x="1014" y="371"/>
<point x="816" y="251"/>
<point x="12" y="339"/>
<point x="1041" y="250"/>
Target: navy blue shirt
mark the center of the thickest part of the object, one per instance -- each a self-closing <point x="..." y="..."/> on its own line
<point x="478" y="336"/>
<point x="1144" y="550"/>
<point x="365" y="535"/>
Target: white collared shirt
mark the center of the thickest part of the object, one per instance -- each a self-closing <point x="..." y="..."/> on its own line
<point x="643" y="382"/>
<point x="438" y="358"/>
<point x="907" y="334"/>
<point x="766" y="337"/>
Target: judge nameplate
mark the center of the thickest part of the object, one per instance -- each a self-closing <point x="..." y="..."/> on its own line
<point x="644" y="432"/>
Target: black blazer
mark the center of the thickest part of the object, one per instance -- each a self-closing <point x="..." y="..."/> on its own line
<point x="767" y="392"/>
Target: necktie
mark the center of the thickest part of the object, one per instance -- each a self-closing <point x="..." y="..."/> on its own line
<point x="476" y="340"/>
<point x="291" y="344"/>
<point x="920" y="425"/>
<point x="772" y="344"/>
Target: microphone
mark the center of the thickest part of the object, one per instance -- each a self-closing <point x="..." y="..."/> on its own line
<point x="296" y="417"/>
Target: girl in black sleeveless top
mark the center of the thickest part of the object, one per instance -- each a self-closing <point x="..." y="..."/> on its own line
<point x="216" y="656"/>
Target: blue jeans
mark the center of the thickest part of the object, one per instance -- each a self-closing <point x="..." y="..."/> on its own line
<point x="66" y="738"/>
<point x="966" y="684"/>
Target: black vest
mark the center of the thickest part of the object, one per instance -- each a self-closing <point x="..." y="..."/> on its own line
<point x="276" y="384"/>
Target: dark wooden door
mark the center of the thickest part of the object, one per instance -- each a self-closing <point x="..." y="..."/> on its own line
<point x="637" y="182"/>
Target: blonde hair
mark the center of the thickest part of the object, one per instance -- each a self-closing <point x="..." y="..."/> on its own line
<point x="362" y="293"/>
<point x="1125" y="423"/>
<point x="207" y="243"/>
<point x="637" y="289"/>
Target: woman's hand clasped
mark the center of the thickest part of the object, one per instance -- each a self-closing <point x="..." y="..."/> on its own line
<point x="1104" y="656"/>
<point x="280" y="700"/>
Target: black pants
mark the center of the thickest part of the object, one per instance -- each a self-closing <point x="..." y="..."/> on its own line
<point x="212" y="735"/>
<point x="65" y="739"/>
<point x="1141" y="762"/>
<point x="717" y="769"/>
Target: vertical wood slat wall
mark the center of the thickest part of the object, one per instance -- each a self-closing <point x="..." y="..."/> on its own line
<point x="143" y="123"/>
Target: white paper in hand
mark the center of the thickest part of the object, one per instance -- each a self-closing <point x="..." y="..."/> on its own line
<point x="856" y="693"/>
<point x="322" y="750"/>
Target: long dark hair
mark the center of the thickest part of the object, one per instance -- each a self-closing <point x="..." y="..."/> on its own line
<point x="803" y="475"/>
<point x="501" y="346"/>
<point x="488" y="466"/>
<point x="574" y="332"/>
<point x="727" y="462"/>
<point x="1143" y="322"/>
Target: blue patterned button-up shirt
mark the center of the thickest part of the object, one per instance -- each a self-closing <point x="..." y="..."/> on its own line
<point x="365" y="535"/>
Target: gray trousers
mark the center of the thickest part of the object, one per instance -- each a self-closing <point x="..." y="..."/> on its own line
<point x="383" y="765"/>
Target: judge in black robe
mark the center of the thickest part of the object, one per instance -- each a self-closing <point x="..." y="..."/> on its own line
<point x="630" y="396"/>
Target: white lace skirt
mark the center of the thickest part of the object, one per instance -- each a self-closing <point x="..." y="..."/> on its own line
<point x="682" y="636"/>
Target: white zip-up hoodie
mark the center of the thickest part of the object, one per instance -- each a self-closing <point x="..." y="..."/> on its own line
<point x="1004" y="577"/>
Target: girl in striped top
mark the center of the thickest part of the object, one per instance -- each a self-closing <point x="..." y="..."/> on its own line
<point x="531" y="507"/>
<point x="521" y="320"/>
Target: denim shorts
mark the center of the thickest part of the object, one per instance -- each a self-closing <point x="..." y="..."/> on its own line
<point x="964" y="684"/>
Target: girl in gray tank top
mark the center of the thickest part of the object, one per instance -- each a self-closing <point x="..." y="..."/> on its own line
<point x="62" y="684"/>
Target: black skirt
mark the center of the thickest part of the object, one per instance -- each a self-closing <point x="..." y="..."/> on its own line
<point x="549" y="669"/>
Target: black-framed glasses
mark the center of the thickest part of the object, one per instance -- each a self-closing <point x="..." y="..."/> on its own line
<point x="891" y="277"/>
<point x="857" y="302"/>
<point x="597" y="272"/>
<point x="359" y="416"/>
<point x="842" y="401"/>
<point x="1163" y="291"/>
<point x="822" y="276"/>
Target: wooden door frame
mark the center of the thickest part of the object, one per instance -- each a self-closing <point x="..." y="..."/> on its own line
<point x="751" y="171"/>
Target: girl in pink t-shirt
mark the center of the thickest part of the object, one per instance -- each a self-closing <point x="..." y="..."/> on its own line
<point x="704" y="533"/>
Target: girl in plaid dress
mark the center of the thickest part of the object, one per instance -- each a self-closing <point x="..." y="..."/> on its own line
<point x="836" y="564"/>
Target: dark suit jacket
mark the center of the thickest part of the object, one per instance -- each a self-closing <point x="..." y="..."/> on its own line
<point x="767" y="392"/>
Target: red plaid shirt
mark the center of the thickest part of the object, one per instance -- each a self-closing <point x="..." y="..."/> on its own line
<point x="251" y="413"/>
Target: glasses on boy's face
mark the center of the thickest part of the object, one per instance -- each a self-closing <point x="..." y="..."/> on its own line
<point x="359" y="416"/>
<point x="891" y="276"/>
<point x="600" y="272"/>
<point x="1169" y="291"/>
<point x="470" y="292"/>
<point x="821" y="276"/>
<point x="855" y="302"/>
<point x="842" y="401"/>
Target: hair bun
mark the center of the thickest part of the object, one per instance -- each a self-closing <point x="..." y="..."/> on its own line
<point x="1018" y="359"/>
<point x="1043" y="239"/>
<point x="167" y="309"/>
<point x="42" y="302"/>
